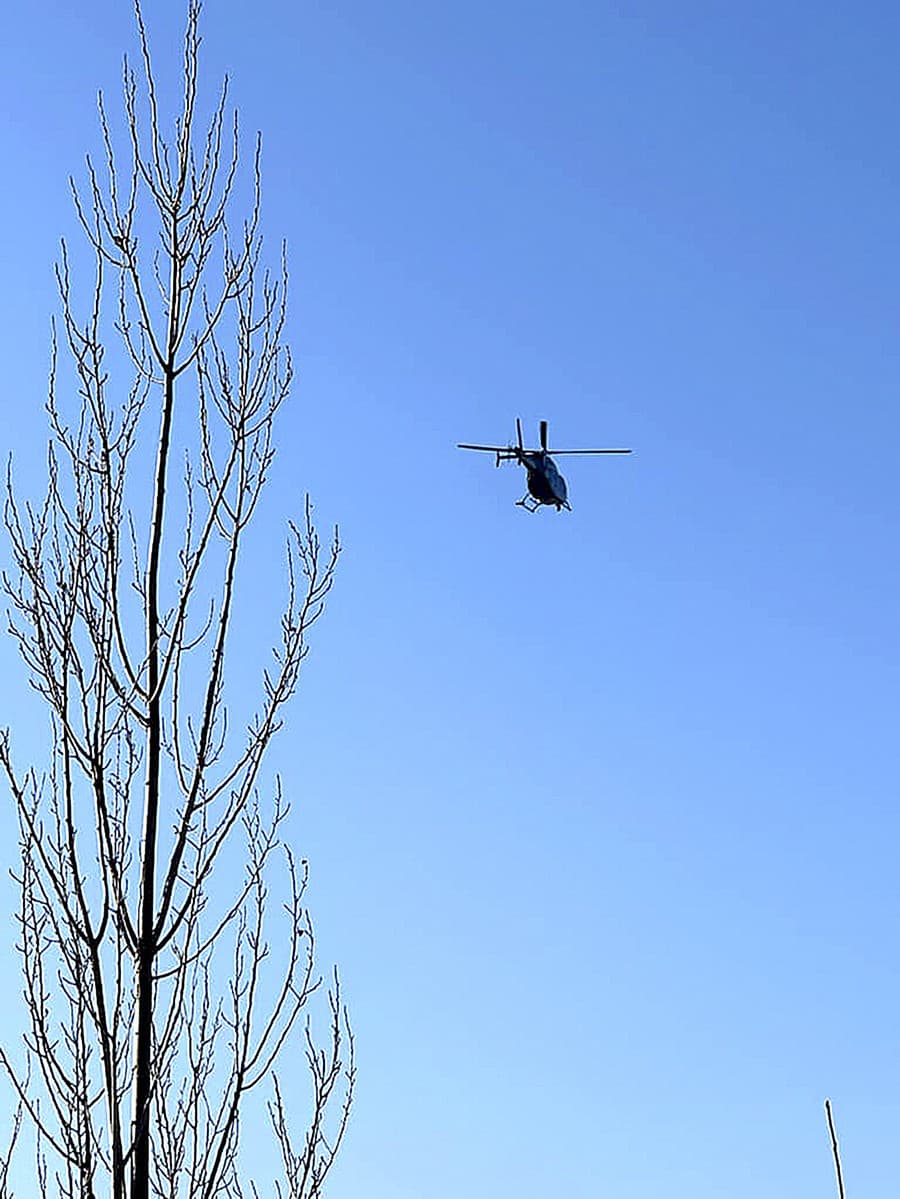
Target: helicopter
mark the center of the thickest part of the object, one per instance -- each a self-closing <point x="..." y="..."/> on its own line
<point x="545" y="484"/>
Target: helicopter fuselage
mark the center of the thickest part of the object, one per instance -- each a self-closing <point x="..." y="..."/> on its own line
<point x="545" y="483"/>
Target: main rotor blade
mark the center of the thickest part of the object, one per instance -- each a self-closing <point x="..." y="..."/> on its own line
<point x="544" y="436"/>
<point x="553" y="453"/>
<point x="493" y="449"/>
<point x="519" y="432"/>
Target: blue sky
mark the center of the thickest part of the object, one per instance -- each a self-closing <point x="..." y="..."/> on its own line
<point x="601" y="807"/>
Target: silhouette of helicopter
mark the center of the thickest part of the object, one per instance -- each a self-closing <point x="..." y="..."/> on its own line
<point x="545" y="484"/>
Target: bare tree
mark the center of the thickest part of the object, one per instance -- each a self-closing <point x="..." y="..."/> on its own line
<point x="153" y="1006"/>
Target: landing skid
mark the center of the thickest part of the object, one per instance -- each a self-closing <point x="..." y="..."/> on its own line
<point x="530" y="504"/>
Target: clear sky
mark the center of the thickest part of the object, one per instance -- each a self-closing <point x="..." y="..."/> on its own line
<point x="602" y="807"/>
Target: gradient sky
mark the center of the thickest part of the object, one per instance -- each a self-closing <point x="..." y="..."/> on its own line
<point x="602" y="807"/>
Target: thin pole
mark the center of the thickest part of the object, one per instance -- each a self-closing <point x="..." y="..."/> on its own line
<point x="835" y="1152"/>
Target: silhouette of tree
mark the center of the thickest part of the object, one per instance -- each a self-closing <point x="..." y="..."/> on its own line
<point x="154" y="1005"/>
